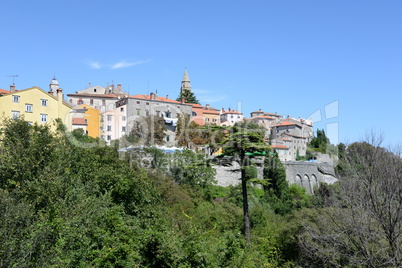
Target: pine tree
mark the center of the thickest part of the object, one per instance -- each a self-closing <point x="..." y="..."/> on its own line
<point x="188" y="96"/>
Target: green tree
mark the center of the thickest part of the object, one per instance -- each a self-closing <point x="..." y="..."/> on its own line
<point x="245" y="140"/>
<point x="188" y="96"/>
<point x="148" y="131"/>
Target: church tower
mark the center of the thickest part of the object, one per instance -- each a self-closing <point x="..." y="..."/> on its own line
<point x="185" y="83"/>
<point x="53" y="86"/>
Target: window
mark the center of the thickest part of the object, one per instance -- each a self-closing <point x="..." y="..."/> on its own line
<point x="193" y="113"/>
<point x="15" y="114"/>
<point x="109" y="118"/>
<point x="109" y="128"/>
<point x="214" y="120"/>
<point x="91" y="102"/>
<point x="80" y="101"/>
<point x="147" y="103"/>
<point x="147" y="113"/>
<point x="28" y="108"/>
<point x="158" y="113"/>
<point x="238" y="116"/>
<point x="123" y="129"/>
<point x="206" y="119"/>
<point x="109" y="137"/>
<point x="138" y="111"/>
<point x="138" y="102"/>
<point x="43" y="118"/>
<point x="167" y="138"/>
<point x="16" y="98"/>
<point x="168" y="114"/>
<point x="231" y="116"/>
<point x="123" y="118"/>
<point x="44" y="102"/>
<point x="103" y="103"/>
<point x="121" y="109"/>
<point x="94" y="89"/>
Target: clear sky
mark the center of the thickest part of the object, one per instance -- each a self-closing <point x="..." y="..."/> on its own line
<point x="339" y="62"/>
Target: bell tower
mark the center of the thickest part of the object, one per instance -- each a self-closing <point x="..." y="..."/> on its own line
<point x="53" y="86"/>
<point x="185" y="83"/>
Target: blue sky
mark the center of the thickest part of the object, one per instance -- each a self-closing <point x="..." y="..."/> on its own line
<point x="337" y="61"/>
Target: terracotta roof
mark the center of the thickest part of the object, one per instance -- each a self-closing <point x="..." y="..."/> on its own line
<point x="92" y="95"/>
<point x="3" y="91"/>
<point x="210" y="111"/>
<point x="277" y="146"/>
<point x="162" y="99"/>
<point x="79" y="121"/>
<point x="263" y="116"/>
<point x="286" y="139"/>
<point x="286" y="123"/>
<point x="231" y="112"/>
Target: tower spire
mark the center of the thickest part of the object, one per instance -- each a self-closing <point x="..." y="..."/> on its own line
<point x="185" y="83"/>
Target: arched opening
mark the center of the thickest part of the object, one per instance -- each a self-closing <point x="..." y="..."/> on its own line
<point x="314" y="180"/>
<point x="299" y="180"/>
<point x="308" y="184"/>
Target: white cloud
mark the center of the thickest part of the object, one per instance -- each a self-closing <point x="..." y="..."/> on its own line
<point x="117" y="65"/>
<point x="94" y="65"/>
<point x="125" y="64"/>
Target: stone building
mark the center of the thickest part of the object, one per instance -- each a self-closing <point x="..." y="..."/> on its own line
<point x="230" y="117"/>
<point x="139" y="106"/>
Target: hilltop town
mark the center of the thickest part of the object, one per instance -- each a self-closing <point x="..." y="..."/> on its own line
<point x="109" y="112"/>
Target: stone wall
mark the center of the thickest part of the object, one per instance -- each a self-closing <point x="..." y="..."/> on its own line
<point x="305" y="174"/>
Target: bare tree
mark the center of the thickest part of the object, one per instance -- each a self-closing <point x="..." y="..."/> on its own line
<point x="362" y="222"/>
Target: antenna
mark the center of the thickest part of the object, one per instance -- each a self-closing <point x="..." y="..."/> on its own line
<point x="13" y="76"/>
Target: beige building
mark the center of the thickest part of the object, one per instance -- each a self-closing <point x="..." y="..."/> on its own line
<point x="35" y="106"/>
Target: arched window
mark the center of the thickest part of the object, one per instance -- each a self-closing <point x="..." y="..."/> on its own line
<point x="193" y="113"/>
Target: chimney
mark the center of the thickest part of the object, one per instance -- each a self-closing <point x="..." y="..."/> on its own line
<point x="156" y="96"/>
<point x="89" y="85"/>
<point x="167" y="96"/>
<point x="183" y="100"/>
<point x="223" y="110"/>
<point x="12" y="88"/>
<point x="59" y="102"/>
<point x="119" y="87"/>
<point x="207" y="105"/>
<point x="152" y="96"/>
<point x="230" y="109"/>
<point x="259" y="110"/>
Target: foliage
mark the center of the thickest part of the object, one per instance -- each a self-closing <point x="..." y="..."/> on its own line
<point x="189" y="133"/>
<point x="188" y="96"/>
<point x="360" y="224"/>
<point x="148" y="130"/>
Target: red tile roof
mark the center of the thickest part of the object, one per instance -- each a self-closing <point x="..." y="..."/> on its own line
<point x="286" y="139"/>
<point x="263" y="116"/>
<point x="286" y="123"/>
<point x="3" y="91"/>
<point x="92" y="95"/>
<point x="163" y="99"/>
<point x="277" y="146"/>
<point x="210" y="112"/>
<point x="231" y="112"/>
<point x="79" y="121"/>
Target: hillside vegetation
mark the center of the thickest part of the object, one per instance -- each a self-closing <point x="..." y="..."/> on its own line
<point x="67" y="200"/>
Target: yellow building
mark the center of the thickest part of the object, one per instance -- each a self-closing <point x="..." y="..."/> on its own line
<point x="93" y="119"/>
<point x="35" y="105"/>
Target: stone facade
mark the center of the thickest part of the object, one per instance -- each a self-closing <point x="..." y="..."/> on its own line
<point x="139" y="106"/>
